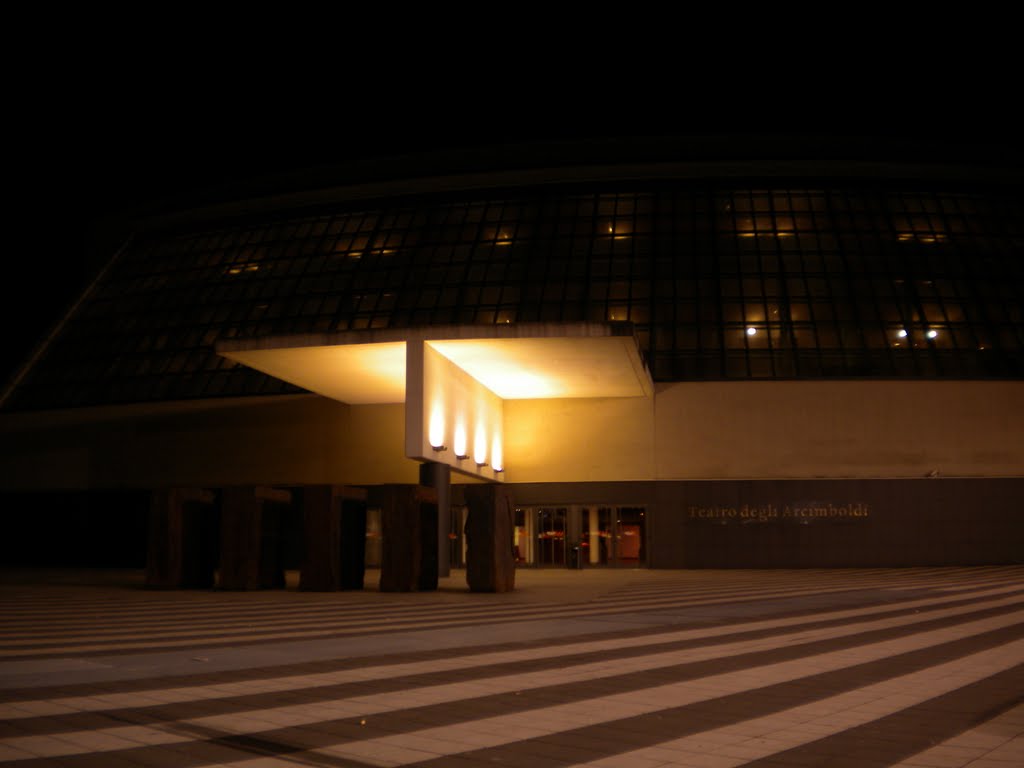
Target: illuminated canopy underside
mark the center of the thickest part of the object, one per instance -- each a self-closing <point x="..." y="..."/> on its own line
<point x="519" y="362"/>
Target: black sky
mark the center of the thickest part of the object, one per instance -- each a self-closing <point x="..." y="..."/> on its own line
<point x="107" y="139"/>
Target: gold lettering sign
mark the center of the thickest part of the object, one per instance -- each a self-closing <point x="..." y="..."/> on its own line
<point x="801" y="512"/>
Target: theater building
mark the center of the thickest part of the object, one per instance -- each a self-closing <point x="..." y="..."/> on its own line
<point x="662" y="358"/>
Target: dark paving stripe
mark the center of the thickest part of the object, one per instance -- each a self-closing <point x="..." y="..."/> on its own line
<point x="84" y="636"/>
<point x="628" y="734"/>
<point x="609" y="739"/>
<point x="893" y="738"/>
<point x="156" y="613"/>
<point x="81" y="649"/>
<point x="186" y="710"/>
<point x="257" y="673"/>
<point x="109" y="621"/>
<point x="127" y="618"/>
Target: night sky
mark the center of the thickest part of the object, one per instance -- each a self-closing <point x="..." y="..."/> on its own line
<point x="97" y="149"/>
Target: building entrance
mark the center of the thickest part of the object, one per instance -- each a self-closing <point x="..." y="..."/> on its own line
<point x="614" y="536"/>
<point x="584" y="535"/>
<point x="550" y="526"/>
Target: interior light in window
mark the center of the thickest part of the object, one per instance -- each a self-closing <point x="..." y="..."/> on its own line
<point x="932" y="334"/>
<point x="751" y="331"/>
<point x="902" y="333"/>
<point x="238" y="269"/>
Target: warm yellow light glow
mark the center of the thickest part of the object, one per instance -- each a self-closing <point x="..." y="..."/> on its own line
<point x="497" y="460"/>
<point x="460" y="440"/>
<point x="520" y="384"/>
<point x="435" y="430"/>
<point x="480" y="445"/>
<point x="905" y="237"/>
<point x="351" y="373"/>
<point x="515" y="369"/>
<point x="237" y="269"/>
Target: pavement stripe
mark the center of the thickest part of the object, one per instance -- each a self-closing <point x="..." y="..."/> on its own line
<point x="105" y="617"/>
<point x="646" y="716"/>
<point x="800" y="659"/>
<point x="775" y="631"/>
<point x="230" y="636"/>
<point x="882" y="741"/>
<point x="315" y="727"/>
<point x="996" y="743"/>
<point x="818" y="724"/>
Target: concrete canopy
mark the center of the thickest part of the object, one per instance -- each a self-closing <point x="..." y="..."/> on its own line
<point x="516" y="362"/>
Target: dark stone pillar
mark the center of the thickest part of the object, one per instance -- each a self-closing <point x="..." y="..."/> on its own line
<point x="426" y="580"/>
<point x="490" y="564"/>
<point x="439" y="477"/>
<point x="321" y="564"/>
<point x="182" y="539"/>
<point x="250" y="555"/>
<point x="334" y="520"/>
<point x="353" y="540"/>
<point x="409" y="537"/>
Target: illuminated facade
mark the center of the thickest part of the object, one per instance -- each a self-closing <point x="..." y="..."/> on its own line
<point x="685" y="367"/>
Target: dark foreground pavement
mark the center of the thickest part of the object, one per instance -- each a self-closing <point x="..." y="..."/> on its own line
<point x="624" y="669"/>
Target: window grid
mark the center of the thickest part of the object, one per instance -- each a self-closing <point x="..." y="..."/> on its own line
<point x="720" y="283"/>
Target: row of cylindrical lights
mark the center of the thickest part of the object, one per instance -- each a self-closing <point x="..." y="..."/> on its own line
<point x="460" y="442"/>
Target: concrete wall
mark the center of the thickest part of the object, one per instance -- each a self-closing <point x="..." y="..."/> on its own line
<point x="864" y="429"/>
<point x="689" y="431"/>
<point x="579" y="440"/>
<point x="280" y="441"/>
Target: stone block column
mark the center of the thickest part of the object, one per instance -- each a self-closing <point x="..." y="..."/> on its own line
<point x="438" y="476"/>
<point x="334" y="525"/>
<point x="490" y="563"/>
<point x="249" y="557"/>
<point x="409" y="559"/>
<point x="182" y="539"/>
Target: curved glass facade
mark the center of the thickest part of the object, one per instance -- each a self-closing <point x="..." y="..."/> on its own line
<point x="720" y="283"/>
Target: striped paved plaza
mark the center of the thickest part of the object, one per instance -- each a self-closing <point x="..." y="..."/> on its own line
<point x="624" y="669"/>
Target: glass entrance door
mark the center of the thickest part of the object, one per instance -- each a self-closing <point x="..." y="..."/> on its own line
<point x="630" y="540"/>
<point x="550" y="528"/>
<point x="615" y="536"/>
<point x="606" y="536"/>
